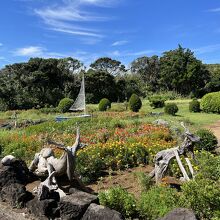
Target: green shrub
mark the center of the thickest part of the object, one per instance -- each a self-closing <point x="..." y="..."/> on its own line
<point x="208" y="140"/>
<point x="65" y="104"/>
<point x="208" y="166"/>
<point x="211" y="102"/>
<point x="157" y="202"/>
<point x="194" y="106"/>
<point x="203" y="196"/>
<point x="119" y="199"/>
<point x="135" y="103"/>
<point x="104" y="104"/>
<point x="171" y="109"/>
<point x="48" y="110"/>
<point x="157" y="101"/>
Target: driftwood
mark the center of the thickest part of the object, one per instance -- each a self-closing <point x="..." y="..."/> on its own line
<point x="163" y="158"/>
<point x="45" y="164"/>
<point x="47" y="187"/>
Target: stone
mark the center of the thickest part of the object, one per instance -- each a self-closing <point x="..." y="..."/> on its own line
<point x="7" y="160"/>
<point x="16" y="172"/>
<point x="180" y="214"/>
<point x="161" y="122"/>
<point x="98" y="212"/>
<point x="15" y="194"/>
<point x="74" y="206"/>
<point x="44" y="209"/>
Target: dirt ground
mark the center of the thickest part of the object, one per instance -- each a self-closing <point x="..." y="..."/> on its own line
<point x="126" y="179"/>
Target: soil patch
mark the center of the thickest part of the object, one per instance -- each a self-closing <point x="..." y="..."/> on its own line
<point x="126" y="179"/>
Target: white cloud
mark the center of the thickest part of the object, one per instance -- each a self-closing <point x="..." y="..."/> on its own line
<point x="119" y="43"/>
<point x="76" y="32"/>
<point x="63" y="17"/>
<point x="207" y="49"/>
<point x="29" y="51"/>
<point x="117" y="53"/>
<point x="214" y="10"/>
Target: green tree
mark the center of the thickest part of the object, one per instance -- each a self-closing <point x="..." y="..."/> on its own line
<point x="180" y="71"/>
<point x="108" y="65"/>
<point x="100" y="84"/>
<point x="148" y="68"/>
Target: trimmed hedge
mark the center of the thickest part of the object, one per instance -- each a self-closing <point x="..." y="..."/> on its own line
<point x="171" y="109"/>
<point x="65" y="104"/>
<point x="157" y="101"/>
<point x="194" y="106"/>
<point x="104" y="104"/>
<point x="211" y="102"/>
<point x="135" y="103"/>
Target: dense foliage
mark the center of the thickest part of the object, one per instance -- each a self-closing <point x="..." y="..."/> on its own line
<point x="171" y="108"/>
<point x="211" y="102"/>
<point x="119" y="199"/>
<point x="194" y="106"/>
<point x="65" y="104"/>
<point x="208" y="140"/>
<point x="43" y="82"/>
<point x="157" y="101"/>
<point x="182" y="72"/>
<point x="135" y="103"/>
<point x="104" y="104"/>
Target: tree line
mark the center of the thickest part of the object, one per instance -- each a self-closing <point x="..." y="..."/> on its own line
<point x="43" y="82"/>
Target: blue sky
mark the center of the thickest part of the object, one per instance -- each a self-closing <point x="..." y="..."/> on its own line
<point x="121" y="29"/>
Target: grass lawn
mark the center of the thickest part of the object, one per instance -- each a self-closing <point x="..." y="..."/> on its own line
<point x="195" y="120"/>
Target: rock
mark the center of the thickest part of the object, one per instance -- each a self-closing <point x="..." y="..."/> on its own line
<point x="44" y="209"/>
<point x="7" y="160"/>
<point x="180" y="214"/>
<point x="74" y="206"/>
<point x="15" y="194"/>
<point x="98" y="212"/>
<point x="17" y="172"/>
<point x="161" y="122"/>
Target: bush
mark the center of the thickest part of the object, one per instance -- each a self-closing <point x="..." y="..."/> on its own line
<point x="171" y="108"/>
<point x="157" y="202"/>
<point x="104" y="104"/>
<point x="119" y="199"/>
<point x="157" y="101"/>
<point x="135" y="103"/>
<point x="203" y="196"/>
<point x="211" y="102"/>
<point x="65" y="104"/>
<point x="208" y="140"/>
<point x="208" y="166"/>
<point x="194" y="106"/>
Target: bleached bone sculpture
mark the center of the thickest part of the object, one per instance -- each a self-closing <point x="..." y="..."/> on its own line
<point x="45" y="163"/>
<point x="163" y="158"/>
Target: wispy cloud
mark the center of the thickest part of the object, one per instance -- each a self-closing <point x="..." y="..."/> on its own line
<point x="1" y="44"/>
<point x="119" y="43"/>
<point x="207" y="49"/>
<point x="214" y="10"/>
<point x="118" y="53"/>
<point x="64" y="17"/>
<point x="29" y="51"/>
